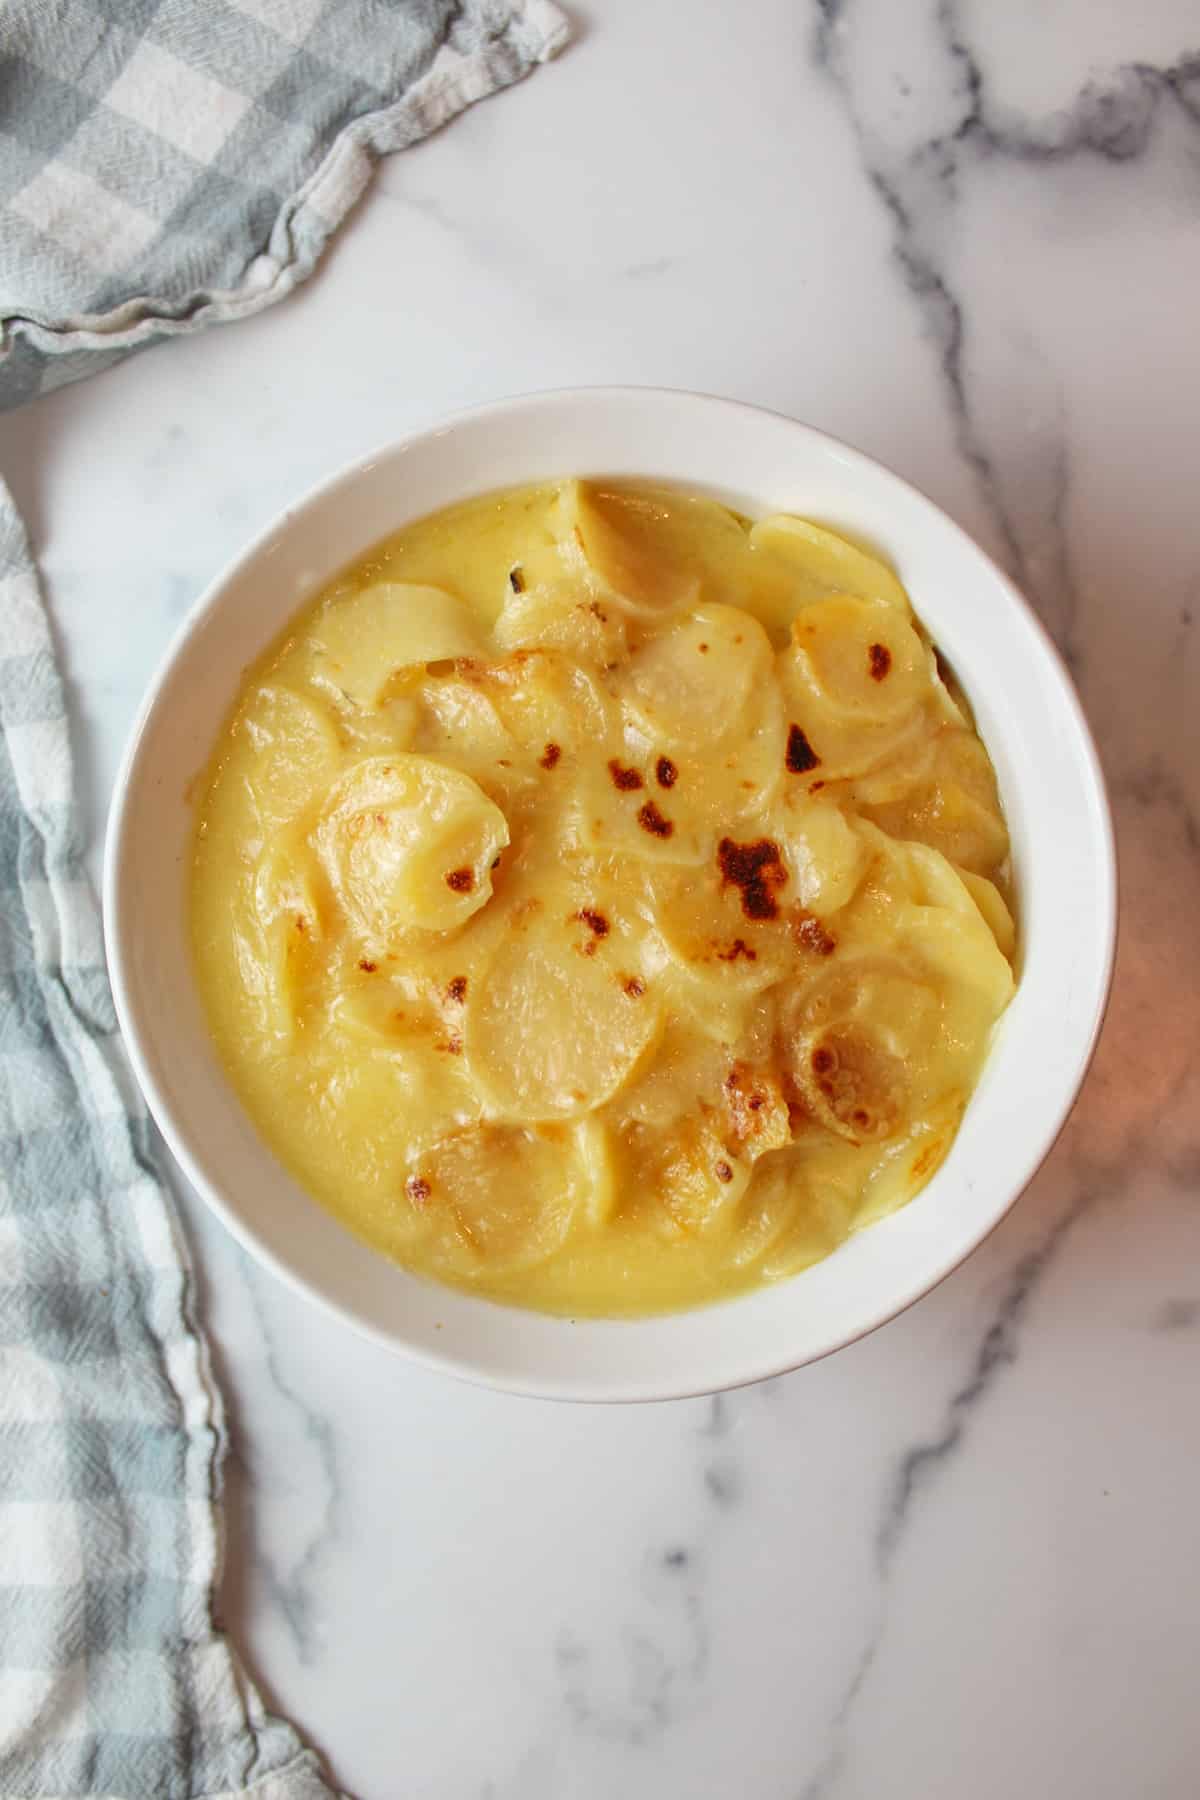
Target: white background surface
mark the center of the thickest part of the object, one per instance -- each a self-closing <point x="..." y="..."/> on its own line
<point x="959" y="1558"/>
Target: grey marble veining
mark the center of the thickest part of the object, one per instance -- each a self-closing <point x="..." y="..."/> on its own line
<point x="956" y="1558"/>
<point x="920" y="1464"/>
<point x="921" y="146"/>
<point x="921" y="174"/>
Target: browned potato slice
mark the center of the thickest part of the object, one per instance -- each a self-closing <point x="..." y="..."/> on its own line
<point x="409" y="843"/>
<point x="711" y="936"/>
<point x="892" y="1025"/>
<point x="697" y="1179"/>
<point x="861" y="665"/>
<point x="496" y="1198"/>
<point x="852" y="1081"/>
<point x="690" y="1149"/>
<point x="851" y="1038"/>
<point x="552" y="1030"/>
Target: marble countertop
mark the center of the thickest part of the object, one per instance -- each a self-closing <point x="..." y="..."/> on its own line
<point x="959" y="1558"/>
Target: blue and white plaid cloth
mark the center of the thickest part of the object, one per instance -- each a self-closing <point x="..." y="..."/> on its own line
<point x="166" y="164"/>
<point x="163" y="165"/>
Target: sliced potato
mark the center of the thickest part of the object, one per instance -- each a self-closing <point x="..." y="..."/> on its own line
<point x="959" y="950"/>
<point x="995" y="911"/>
<point x="497" y="1197"/>
<point x="597" y="1170"/>
<point x="901" y="1016"/>
<point x="409" y="843"/>
<point x="948" y="704"/>
<point x="458" y="724"/>
<point x="695" y="1124"/>
<point x="618" y="809"/>
<point x="696" y="1179"/>
<point x="817" y="1190"/>
<point x="364" y="640"/>
<point x="391" y="726"/>
<point x="726" y="789"/>
<point x="824" y="748"/>
<point x="819" y="563"/>
<point x="297" y="753"/>
<point x="653" y="549"/>
<point x="564" y="615"/>
<point x="373" y="1010"/>
<point x="856" y="1038"/>
<point x="689" y="687"/>
<point x="550" y="706"/>
<point x="380" y="1109"/>
<point x="552" y="1032"/>
<point x="953" y="805"/>
<point x="823" y="850"/>
<point x="767" y="1211"/>
<point x="854" y="684"/>
<point x="906" y="1167"/>
<point x="708" y="934"/>
<point x="664" y="804"/>
<point x="943" y="928"/>
<point x="853" y="1081"/>
<point x="289" y="919"/>
<point x="897" y="777"/>
<point x="861" y="665"/>
<point x="682" y="1067"/>
<point x="754" y="1109"/>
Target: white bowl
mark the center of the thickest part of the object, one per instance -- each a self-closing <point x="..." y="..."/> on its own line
<point x="1049" y="778"/>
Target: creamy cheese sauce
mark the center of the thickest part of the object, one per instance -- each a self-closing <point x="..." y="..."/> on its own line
<point x="600" y="901"/>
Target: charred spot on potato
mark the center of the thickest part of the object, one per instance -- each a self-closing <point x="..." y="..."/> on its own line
<point x="810" y="934"/>
<point x="801" y="757"/>
<point x="624" y="779"/>
<point x="757" y="870"/>
<point x="651" y="820"/>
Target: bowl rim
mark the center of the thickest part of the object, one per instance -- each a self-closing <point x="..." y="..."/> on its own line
<point x="577" y="1387"/>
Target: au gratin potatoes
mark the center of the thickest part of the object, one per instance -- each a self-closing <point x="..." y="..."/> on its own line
<point x="600" y="900"/>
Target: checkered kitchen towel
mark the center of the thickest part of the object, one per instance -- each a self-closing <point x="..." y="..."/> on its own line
<point x="163" y="164"/>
